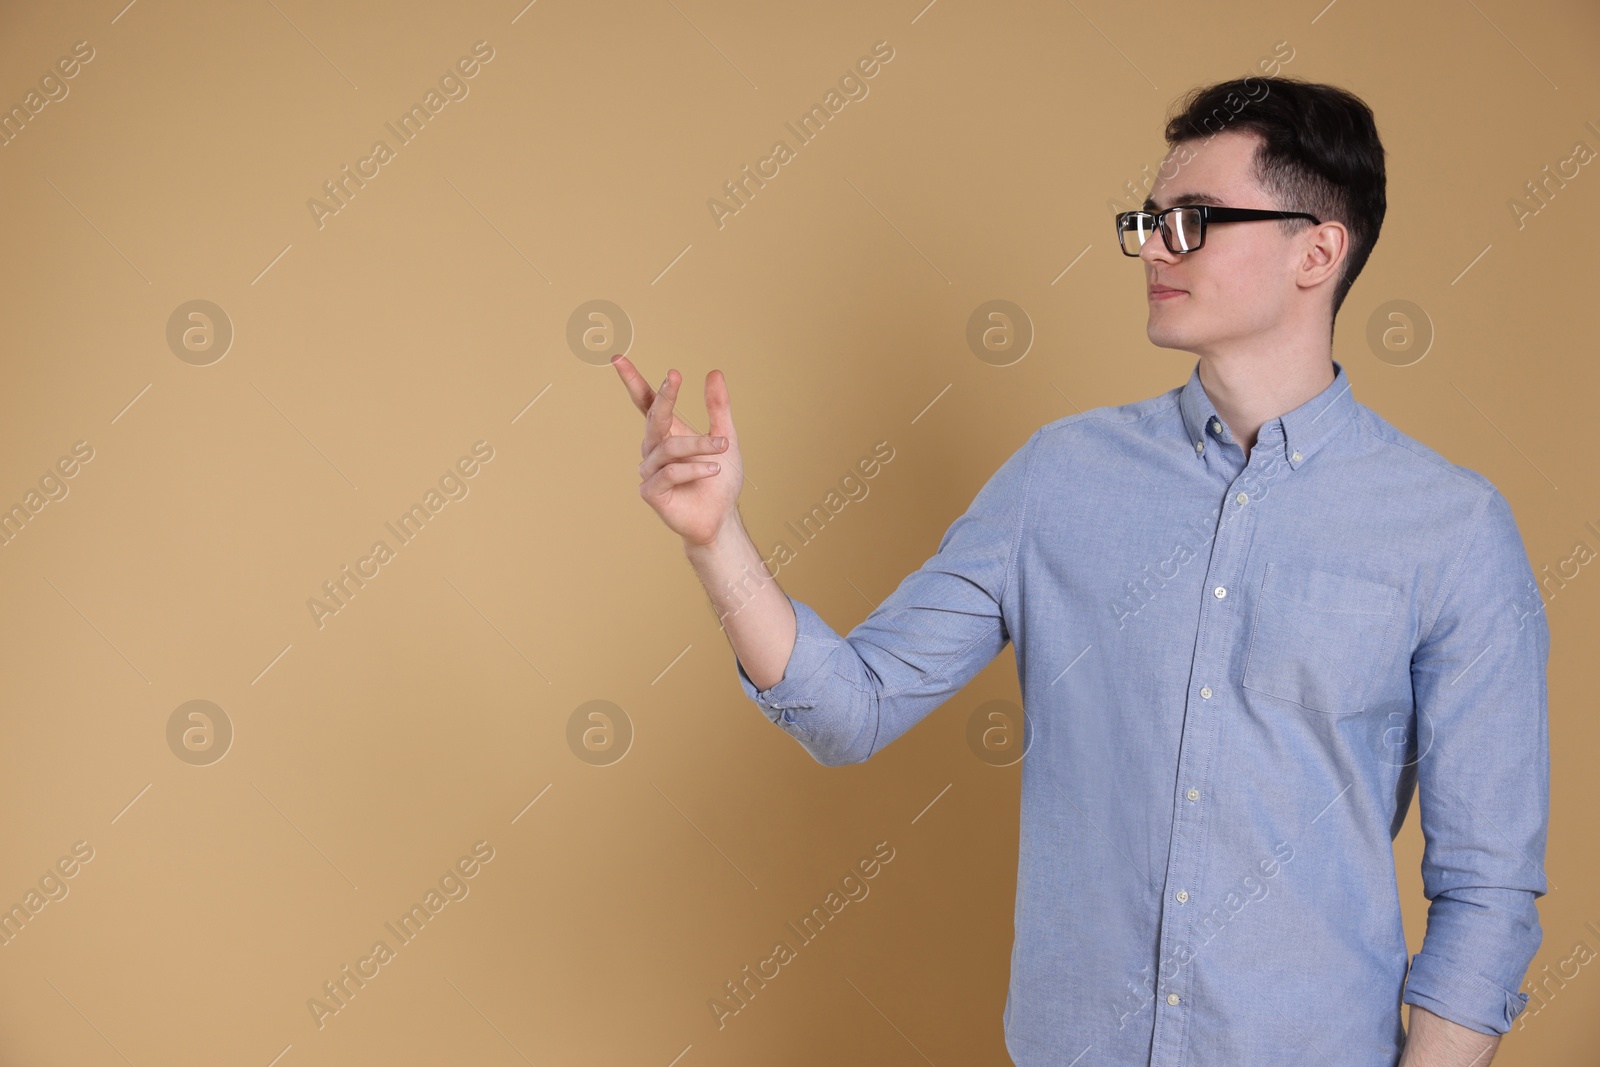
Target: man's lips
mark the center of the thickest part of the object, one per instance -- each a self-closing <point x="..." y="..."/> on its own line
<point x="1161" y="292"/>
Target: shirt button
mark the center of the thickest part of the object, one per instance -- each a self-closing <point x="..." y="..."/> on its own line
<point x="1216" y="426"/>
<point x="1193" y="794"/>
<point x="1183" y="896"/>
<point x="1219" y="592"/>
<point x="1172" y="998"/>
<point x="1199" y="446"/>
<point x="1205" y="691"/>
<point x="1295" y="457"/>
<point x="1240" y="499"/>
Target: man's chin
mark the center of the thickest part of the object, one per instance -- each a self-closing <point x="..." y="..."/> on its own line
<point x="1164" y="336"/>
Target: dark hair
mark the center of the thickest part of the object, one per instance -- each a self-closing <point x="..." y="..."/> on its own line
<point x="1319" y="153"/>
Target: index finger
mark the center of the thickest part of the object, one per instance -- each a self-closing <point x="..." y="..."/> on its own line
<point x="638" y="388"/>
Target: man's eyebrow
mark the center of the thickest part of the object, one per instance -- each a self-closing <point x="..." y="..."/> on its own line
<point x="1184" y="198"/>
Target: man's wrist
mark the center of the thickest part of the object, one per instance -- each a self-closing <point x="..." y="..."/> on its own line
<point x="730" y="534"/>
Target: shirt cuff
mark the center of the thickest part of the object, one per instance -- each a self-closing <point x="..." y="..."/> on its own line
<point x="813" y="643"/>
<point x="1461" y="995"/>
<point x="815" y="703"/>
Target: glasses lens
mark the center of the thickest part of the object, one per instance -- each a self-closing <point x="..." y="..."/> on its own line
<point x="1183" y="229"/>
<point x="1135" y="228"/>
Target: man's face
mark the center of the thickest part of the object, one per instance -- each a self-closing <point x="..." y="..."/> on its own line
<point x="1239" y="284"/>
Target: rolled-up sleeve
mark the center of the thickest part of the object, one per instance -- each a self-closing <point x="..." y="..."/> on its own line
<point x="845" y="698"/>
<point x="1483" y="776"/>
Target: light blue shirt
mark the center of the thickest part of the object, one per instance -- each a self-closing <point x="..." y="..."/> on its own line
<point x="1234" y="674"/>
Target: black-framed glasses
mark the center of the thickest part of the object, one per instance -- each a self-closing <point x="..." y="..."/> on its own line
<point x="1183" y="228"/>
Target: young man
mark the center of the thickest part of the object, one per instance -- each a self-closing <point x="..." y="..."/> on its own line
<point x="1250" y="618"/>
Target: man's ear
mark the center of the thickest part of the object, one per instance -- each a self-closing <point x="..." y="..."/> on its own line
<point x="1325" y="247"/>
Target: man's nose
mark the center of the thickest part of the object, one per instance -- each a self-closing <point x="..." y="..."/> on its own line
<point x="1155" y="249"/>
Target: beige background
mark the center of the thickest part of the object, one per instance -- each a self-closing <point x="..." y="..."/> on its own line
<point x="370" y="354"/>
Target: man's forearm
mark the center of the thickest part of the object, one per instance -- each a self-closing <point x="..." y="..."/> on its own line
<point x="751" y="606"/>
<point x="1434" y="1041"/>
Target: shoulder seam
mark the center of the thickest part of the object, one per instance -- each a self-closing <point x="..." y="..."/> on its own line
<point x="1431" y="456"/>
<point x="1069" y="420"/>
<point x="1448" y="587"/>
<point x="1022" y="517"/>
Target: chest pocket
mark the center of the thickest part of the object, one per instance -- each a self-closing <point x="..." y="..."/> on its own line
<point x="1318" y="638"/>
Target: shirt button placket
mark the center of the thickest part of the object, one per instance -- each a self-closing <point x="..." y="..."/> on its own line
<point x="1235" y="522"/>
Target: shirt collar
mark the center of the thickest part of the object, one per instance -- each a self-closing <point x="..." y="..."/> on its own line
<point x="1299" y="432"/>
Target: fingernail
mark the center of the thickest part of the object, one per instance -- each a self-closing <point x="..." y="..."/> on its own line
<point x="719" y="441"/>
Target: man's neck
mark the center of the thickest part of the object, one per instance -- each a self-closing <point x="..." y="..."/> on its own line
<point x="1248" y="392"/>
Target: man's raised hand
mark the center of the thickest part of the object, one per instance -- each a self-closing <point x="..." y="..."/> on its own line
<point x="689" y="479"/>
